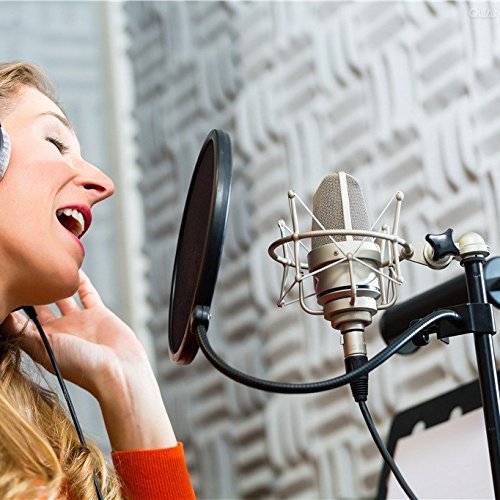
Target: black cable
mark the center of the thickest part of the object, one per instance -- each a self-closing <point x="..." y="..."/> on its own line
<point x="30" y="311"/>
<point x="286" y="388"/>
<point x="384" y="452"/>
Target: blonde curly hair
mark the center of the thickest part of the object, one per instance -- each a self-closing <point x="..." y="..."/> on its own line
<point x="40" y="453"/>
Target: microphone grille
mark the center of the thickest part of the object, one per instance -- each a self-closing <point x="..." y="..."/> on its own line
<point x="329" y="210"/>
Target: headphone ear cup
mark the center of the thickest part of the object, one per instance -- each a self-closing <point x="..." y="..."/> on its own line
<point x="4" y="151"/>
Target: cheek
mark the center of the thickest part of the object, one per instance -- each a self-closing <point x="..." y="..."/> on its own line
<point x="42" y="263"/>
<point x="42" y="267"/>
<point x="25" y="181"/>
<point x="24" y="151"/>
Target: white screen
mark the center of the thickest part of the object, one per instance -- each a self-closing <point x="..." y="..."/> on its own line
<point x="449" y="460"/>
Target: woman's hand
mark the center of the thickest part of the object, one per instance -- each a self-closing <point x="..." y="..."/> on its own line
<point x="89" y="343"/>
<point x="97" y="351"/>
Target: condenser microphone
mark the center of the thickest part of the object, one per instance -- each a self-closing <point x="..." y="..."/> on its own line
<point x="346" y="282"/>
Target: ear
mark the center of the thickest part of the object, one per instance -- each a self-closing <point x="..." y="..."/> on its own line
<point x="4" y="151"/>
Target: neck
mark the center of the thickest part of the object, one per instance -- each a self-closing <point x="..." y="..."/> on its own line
<point x="4" y="309"/>
<point x="8" y="300"/>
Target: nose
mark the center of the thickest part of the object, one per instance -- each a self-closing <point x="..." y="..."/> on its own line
<point x="96" y="183"/>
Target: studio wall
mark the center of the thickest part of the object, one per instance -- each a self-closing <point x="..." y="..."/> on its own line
<point x="402" y="95"/>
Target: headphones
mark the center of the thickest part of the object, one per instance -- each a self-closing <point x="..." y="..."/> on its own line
<point x="4" y="151"/>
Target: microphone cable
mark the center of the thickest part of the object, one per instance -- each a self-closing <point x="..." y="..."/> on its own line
<point x="359" y="389"/>
<point x="356" y="375"/>
<point x="30" y="311"/>
<point x="384" y="451"/>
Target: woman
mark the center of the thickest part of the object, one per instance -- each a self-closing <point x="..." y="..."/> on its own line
<point x="46" y="195"/>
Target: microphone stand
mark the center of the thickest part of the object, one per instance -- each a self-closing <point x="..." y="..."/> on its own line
<point x="478" y="320"/>
<point x="488" y="380"/>
<point x="474" y="317"/>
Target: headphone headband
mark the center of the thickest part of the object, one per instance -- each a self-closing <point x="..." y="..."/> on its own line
<point x="4" y="151"/>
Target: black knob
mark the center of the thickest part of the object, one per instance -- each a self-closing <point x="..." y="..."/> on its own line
<point x="442" y="244"/>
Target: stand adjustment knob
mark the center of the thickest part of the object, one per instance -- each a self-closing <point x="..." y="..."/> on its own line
<point x="442" y="244"/>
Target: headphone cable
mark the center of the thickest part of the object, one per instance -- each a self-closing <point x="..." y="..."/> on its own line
<point x="30" y="311"/>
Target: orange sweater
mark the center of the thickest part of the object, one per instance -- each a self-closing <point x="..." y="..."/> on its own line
<point x="154" y="474"/>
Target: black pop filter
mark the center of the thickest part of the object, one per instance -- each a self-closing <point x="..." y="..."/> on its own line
<point x="200" y="242"/>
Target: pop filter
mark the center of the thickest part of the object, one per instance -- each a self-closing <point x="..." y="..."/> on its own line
<point x="200" y="242"/>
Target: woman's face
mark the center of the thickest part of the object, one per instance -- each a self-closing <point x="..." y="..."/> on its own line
<point x="40" y="251"/>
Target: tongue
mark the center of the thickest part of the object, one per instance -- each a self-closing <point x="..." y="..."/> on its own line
<point x="68" y="222"/>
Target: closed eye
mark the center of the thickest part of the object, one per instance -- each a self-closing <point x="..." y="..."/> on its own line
<point x="58" y="144"/>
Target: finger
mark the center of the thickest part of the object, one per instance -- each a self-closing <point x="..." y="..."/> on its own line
<point x="19" y="326"/>
<point x="88" y="294"/>
<point x="45" y="314"/>
<point x="67" y="306"/>
<point x="32" y="344"/>
<point x="13" y="324"/>
<point x="30" y="341"/>
<point x="72" y="354"/>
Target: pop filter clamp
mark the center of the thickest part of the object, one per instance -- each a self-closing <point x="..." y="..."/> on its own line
<point x="196" y="267"/>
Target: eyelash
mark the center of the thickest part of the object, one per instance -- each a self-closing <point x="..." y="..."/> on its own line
<point x="58" y="144"/>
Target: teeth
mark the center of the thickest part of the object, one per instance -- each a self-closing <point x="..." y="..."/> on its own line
<point x="71" y="212"/>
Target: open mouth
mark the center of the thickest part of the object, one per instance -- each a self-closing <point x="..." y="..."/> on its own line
<point x="75" y="220"/>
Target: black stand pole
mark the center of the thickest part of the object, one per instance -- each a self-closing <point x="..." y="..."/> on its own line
<point x="488" y="380"/>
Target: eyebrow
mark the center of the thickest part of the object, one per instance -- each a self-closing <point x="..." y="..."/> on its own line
<point x="61" y="118"/>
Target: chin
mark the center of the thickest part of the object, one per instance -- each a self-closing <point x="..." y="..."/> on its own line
<point x="65" y="286"/>
<point x="56" y="286"/>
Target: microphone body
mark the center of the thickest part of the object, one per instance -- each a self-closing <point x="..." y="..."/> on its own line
<point x="334" y="288"/>
<point x="347" y="287"/>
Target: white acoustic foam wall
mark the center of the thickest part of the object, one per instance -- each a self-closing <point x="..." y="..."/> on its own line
<point x="404" y="96"/>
